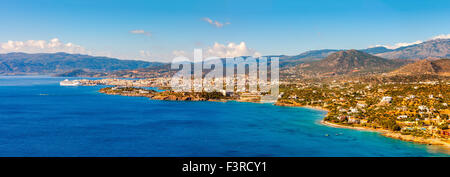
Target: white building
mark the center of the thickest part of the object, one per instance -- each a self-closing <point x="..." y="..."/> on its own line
<point x="402" y="117"/>
<point x="423" y="108"/>
<point x="354" y="110"/>
<point x="386" y="99"/>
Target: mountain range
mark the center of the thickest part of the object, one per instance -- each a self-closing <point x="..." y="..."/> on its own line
<point x="439" y="48"/>
<point x="49" y="63"/>
<point x="331" y="61"/>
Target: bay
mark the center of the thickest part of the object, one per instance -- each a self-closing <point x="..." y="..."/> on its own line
<point x="40" y="118"/>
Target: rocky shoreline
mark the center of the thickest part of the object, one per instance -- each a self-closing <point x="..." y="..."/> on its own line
<point x="354" y="128"/>
<point x="165" y="95"/>
<point x="421" y="140"/>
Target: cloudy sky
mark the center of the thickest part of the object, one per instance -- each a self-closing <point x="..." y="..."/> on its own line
<point x="160" y="30"/>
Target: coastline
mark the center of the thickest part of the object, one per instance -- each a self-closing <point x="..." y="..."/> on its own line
<point x="395" y="135"/>
<point x="354" y="128"/>
<point x="383" y="132"/>
<point x="303" y="106"/>
<point x="316" y="108"/>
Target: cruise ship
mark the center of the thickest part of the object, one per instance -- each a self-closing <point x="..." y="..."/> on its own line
<point x="69" y="83"/>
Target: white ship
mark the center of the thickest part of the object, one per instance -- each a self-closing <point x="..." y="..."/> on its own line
<point x="69" y="83"/>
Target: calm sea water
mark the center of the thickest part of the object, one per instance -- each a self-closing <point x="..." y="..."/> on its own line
<point x="40" y="118"/>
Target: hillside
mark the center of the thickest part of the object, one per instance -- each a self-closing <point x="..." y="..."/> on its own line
<point x="376" y="50"/>
<point x="437" y="67"/>
<point x="439" y="48"/>
<point x="23" y="63"/>
<point x="348" y="62"/>
<point x="308" y="56"/>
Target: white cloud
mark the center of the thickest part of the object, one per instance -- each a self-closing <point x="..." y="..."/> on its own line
<point x="53" y="46"/>
<point x="230" y="50"/>
<point x="442" y="36"/>
<point x="42" y="46"/>
<point x="143" y="32"/>
<point x="398" y="45"/>
<point x="215" y="22"/>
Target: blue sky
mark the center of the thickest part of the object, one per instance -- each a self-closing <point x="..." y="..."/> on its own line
<point x="159" y="30"/>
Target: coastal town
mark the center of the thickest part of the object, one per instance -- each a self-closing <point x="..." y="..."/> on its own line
<point x="415" y="111"/>
<point x="141" y="87"/>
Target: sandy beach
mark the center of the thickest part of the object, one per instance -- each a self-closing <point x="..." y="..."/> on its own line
<point x="390" y="134"/>
<point x="354" y="128"/>
<point x="387" y="133"/>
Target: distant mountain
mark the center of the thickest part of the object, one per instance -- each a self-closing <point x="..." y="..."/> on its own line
<point x="162" y="70"/>
<point x="82" y="73"/>
<point x="439" y="48"/>
<point x="349" y="62"/>
<point x="376" y="50"/>
<point x="333" y="61"/>
<point x="49" y="63"/>
<point x="308" y="56"/>
<point x="436" y="67"/>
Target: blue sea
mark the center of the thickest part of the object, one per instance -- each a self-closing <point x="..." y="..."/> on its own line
<point x="40" y="118"/>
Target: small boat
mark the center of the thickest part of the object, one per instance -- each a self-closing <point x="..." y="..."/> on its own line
<point x="69" y="83"/>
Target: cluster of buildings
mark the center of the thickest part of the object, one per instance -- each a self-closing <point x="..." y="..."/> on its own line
<point x="240" y="83"/>
<point x="420" y="108"/>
